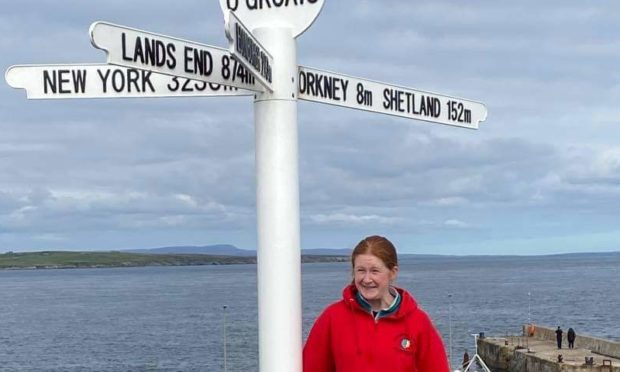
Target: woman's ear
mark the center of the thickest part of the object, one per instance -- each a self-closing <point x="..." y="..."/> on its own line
<point x="393" y="273"/>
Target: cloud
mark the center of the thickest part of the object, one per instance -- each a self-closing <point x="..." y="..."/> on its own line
<point x="350" y="219"/>
<point x="456" y="224"/>
<point x="148" y="171"/>
<point x="422" y="168"/>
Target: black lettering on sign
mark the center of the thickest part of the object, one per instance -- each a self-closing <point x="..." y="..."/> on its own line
<point x="198" y="61"/>
<point x="49" y="81"/>
<point x="79" y="81"/>
<point x="200" y="85"/>
<point x="118" y="81"/>
<point x="187" y="87"/>
<point x="231" y="70"/>
<point x="64" y="81"/>
<point x="132" y="80"/>
<point x="457" y="112"/>
<point x="392" y="100"/>
<point x="126" y="80"/>
<point x="323" y="86"/>
<point x="232" y="4"/>
<point x="364" y="96"/>
<point x="171" y="60"/>
<point x="104" y="79"/>
<point x="175" y="87"/>
<point x="152" y="52"/>
<point x="266" y="4"/>
<point x="225" y="67"/>
<point x="251" y="4"/>
<point x="407" y="102"/>
<point x="138" y="52"/>
<point x="430" y="106"/>
<point x="265" y="67"/>
<point x="124" y="48"/>
<point x="252" y="53"/>
<point x="146" y="79"/>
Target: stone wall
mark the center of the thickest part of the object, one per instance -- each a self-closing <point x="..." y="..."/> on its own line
<point x="494" y="356"/>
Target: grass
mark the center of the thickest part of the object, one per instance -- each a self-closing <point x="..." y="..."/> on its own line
<point x="68" y="259"/>
<point x="64" y="259"/>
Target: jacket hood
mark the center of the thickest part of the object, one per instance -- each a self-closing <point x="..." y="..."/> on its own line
<point x="408" y="304"/>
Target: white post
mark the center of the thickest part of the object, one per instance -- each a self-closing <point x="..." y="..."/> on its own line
<point x="277" y="189"/>
<point x="450" y="356"/>
<point x="225" y="357"/>
<point x="529" y="309"/>
<point x="529" y="321"/>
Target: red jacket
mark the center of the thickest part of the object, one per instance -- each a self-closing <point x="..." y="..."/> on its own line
<point x="346" y="338"/>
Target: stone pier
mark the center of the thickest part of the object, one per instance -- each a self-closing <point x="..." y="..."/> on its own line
<point x="536" y="351"/>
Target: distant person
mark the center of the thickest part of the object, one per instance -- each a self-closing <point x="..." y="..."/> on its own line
<point x="465" y="359"/>
<point x="375" y="327"/>
<point x="570" y="336"/>
<point x="558" y="336"/>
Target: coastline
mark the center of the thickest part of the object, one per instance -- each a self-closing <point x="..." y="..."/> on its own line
<point x="50" y="260"/>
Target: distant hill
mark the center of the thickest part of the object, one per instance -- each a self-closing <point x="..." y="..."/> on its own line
<point x="98" y="259"/>
<point x="231" y="250"/>
<point x="218" y="250"/>
<point x="327" y="252"/>
<point x="74" y="260"/>
<point x="184" y="256"/>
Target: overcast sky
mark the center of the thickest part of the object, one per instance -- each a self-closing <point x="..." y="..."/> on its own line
<point x="541" y="175"/>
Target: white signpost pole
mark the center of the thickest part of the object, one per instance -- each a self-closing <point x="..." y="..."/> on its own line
<point x="277" y="177"/>
<point x="277" y="193"/>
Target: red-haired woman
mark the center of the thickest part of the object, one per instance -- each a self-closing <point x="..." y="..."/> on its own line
<point x="376" y="327"/>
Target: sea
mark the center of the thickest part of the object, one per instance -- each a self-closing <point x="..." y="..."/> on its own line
<point x="173" y="318"/>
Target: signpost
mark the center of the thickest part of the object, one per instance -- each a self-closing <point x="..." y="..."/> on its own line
<point x="264" y="61"/>
<point x="106" y="81"/>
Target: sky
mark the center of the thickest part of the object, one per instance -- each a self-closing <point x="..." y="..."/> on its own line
<point x="540" y="176"/>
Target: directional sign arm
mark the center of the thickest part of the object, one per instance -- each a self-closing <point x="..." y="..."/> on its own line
<point x="248" y="50"/>
<point x="107" y="81"/>
<point x="346" y="91"/>
<point x="167" y="55"/>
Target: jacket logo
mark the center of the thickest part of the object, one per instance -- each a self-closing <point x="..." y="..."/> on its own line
<point x="405" y="344"/>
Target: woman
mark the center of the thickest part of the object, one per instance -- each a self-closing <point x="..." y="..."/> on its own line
<point x="376" y="327"/>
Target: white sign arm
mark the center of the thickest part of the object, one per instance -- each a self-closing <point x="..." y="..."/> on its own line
<point x="167" y="55"/>
<point x="346" y="91"/>
<point x="107" y="81"/>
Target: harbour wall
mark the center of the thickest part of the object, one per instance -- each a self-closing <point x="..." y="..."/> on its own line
<point x="536" y="351"/>
<point x="596" y="345"/>
<point x="506" y="359"/>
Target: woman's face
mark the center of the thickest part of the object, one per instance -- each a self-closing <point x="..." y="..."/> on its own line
<point x="372" y="279"/>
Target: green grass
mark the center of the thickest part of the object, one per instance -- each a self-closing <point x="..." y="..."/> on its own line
<point x="63" y="259"/>
<point x="66" y="259"/>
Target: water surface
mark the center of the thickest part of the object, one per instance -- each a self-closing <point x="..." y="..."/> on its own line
<point x="171" y="318"/>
